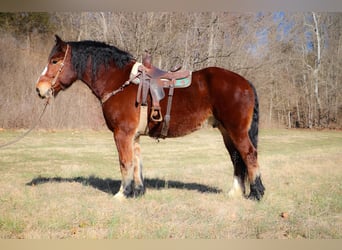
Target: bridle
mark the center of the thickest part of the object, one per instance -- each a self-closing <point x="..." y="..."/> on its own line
<point x="54" y="80"/>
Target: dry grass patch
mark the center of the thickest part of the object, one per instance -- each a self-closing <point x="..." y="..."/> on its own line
<point x="61" y="185"/>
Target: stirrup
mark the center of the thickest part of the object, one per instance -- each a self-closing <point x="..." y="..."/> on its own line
<point x="156" y="115"/>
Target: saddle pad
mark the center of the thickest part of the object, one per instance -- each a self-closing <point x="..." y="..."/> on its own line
<point x="134" y="72"/>
<point x="179" y="83"/>
<point x="184" y="82"/>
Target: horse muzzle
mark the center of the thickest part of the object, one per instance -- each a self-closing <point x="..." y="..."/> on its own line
<point x="44" y="89"/>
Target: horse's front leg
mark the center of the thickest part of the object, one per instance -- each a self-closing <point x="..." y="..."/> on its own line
<point x="130" y="164"/>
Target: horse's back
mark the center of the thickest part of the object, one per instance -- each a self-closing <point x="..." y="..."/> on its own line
<point x="220" y="77"/>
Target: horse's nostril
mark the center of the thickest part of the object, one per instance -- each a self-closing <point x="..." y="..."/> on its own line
<point x="39" y="94"/>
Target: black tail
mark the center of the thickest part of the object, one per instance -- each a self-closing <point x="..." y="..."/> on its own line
<point x="254" y="129"/>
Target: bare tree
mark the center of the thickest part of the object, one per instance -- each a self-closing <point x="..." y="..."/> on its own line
<point x="293" y="59"/>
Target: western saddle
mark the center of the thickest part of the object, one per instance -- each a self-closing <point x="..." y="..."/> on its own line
<point x="153" y="80"/>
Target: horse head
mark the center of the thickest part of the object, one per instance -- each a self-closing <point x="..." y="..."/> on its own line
<point x="58" y="74"/>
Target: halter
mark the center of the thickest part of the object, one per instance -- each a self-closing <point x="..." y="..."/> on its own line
<point x="53" y="82"/>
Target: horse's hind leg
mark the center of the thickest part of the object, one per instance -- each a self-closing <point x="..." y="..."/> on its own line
<point x="249" y="155"/>
<point x="240" y="170"/>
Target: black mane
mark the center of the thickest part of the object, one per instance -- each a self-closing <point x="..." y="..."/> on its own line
<point x="99" y="53"/>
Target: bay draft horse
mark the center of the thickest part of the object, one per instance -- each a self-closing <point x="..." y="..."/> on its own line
<point x="214" y="92"/>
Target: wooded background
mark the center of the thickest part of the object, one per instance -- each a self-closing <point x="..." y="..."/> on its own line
<point x="293" y="59"/>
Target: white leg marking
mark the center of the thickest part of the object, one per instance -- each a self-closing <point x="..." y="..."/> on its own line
<point x="236" y="190"/>
<point x="119" y="195"/>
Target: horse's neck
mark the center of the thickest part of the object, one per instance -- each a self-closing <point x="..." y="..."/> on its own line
<point x="107" y="80"/>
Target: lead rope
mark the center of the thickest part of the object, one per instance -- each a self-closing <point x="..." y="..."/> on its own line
<point x="45" y="105"/>
<point x="28" y="131"/>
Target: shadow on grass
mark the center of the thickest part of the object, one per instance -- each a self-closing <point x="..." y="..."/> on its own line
<point x="111" y="186"/>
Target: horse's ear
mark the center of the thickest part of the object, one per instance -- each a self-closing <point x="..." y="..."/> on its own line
<point x="59" y="40"/>
<point x="60" y="43"/>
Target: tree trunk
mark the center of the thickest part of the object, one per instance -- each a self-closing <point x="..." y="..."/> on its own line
<point x="104" y="25"/>
<point x="211" y="43"/>
<point x="317" y="68"/>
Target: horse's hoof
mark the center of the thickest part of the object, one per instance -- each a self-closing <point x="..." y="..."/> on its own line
<point x="257" y="190"/>
<point x="235" y="193"/>
<point x="119" y="196"/>
<point x="139" y="191"/>
<point x="255" y="196"/>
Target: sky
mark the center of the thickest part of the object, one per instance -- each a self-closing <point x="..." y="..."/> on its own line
<point x="284" y="28"/>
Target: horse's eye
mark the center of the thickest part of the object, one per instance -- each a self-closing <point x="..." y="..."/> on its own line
<point x="54" y="61"/>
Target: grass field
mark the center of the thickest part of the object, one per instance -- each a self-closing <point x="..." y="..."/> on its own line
<point x="60" y="185"/>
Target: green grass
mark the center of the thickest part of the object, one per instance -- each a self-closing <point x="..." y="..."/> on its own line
<point x="61" y="184"/>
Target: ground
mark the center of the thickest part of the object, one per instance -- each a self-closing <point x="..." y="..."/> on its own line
<point x="60" y="185"/>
